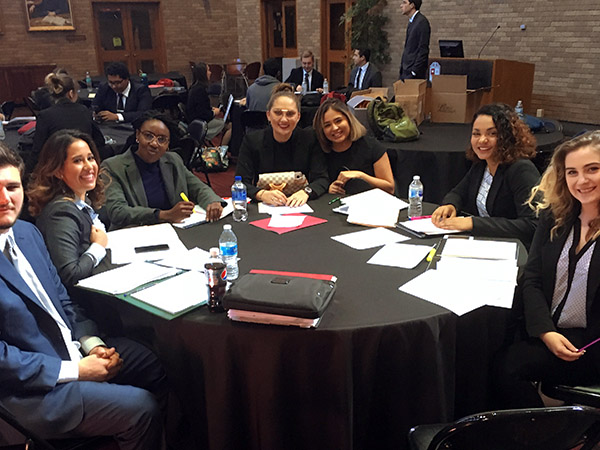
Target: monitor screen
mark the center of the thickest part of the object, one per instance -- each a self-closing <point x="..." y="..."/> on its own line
<point x="451" y="48"/>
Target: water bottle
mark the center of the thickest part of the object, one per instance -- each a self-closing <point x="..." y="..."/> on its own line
<point x="240" y="202"/>
<point x="144" y="77"/>
<point x="229" y="252"/>
<point x="88" y="80"/>
<point x="2" y="135"/>
<point x="519" y="110"/>
<point x="325" y="87"/>
<point x="415" y="197"/>
<point x="216" y="278"/>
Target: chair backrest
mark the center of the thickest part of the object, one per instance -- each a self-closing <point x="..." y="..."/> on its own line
<point x="560" y="428"/>
<point x="197" y="129"/>
<point x="32" y="105"/>
<point x="7" y="109"/>
<point x="252" y="70"/>
<point x="216" y="73"/>
<point x="256" y="120"/>
<point x="185" y="149"/>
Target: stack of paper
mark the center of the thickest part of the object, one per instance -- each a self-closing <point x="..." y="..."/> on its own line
<point x="176" y="294"/>
<point x="361" y="240"/>
<point x="375" y="208"/>
<point x="471" y="273"/>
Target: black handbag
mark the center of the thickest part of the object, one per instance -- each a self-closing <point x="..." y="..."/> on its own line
<point x="286" y="295"/>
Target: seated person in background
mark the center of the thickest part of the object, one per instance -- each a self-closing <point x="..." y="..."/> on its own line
<point x="306" y="74"/>
<point x="560" y="285"/>
<point x="120" y="99"/>
<point x="146" y="182"/>
<point x="66" y="113"/>
<point x="58" y="378"/>
<point x="283" y="147"/>
<point x="499" y="182"/>
<point x="352" y="157"/>
<point x="259" y="92"/>
<point x="364" y="74"/>
<point x="198" y="104"/>
<point x="63" y="192"/>
<point x="42" y="96"/>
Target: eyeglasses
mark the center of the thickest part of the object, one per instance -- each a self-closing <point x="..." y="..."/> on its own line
<point x="149" y="137"/>
<point x="115" y="82"/>
<point x="290" y="114"/>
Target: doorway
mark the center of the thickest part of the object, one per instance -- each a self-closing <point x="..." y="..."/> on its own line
<point x="336" y="43"/>
<point x="279" y="36"/>
<point x="131" y="33"/>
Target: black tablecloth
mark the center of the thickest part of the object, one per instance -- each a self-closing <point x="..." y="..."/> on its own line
<point x="380" y="361"/>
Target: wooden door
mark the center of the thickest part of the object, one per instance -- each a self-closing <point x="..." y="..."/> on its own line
<point x="130" y="33"/>
<point x="279" y="36"/>
<point x="336" y="49"/>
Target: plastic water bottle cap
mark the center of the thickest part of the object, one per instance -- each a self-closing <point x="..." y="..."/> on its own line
<point x="416" y="177"/>
<point x="238" y="178"/>
<point x="227" y="227"/>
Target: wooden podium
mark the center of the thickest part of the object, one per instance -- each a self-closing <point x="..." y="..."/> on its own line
<point x="509" y="80"/>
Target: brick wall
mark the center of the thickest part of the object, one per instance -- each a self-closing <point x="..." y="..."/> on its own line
<point x="561" y="39"/>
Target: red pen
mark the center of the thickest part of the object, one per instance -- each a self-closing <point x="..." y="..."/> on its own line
<point x="419" y="217"/>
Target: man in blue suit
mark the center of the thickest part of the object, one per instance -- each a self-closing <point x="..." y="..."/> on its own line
<point x="56" y="376"/>
<point x="120" y="99"/>
<point x="364" y="75"/>
<point x="415" y="57"/>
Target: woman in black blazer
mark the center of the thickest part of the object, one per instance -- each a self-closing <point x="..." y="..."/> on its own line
<point x="283" y="147"/>
<point x="560" y="285"/>
<point x="497" y="186"/>
<point x="66" y="113"/>
<point x="63" y="192"/>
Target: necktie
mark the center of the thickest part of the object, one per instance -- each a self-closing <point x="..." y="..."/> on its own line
<point x="358" y="72"/>
<point x="120" y="103"/>
<point x="306" y="81"/>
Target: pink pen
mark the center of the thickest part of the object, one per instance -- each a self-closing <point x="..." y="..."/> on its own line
<point x="588" y="345"/>
<point x="419" y="217"/>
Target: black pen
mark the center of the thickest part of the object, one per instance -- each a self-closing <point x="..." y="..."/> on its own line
<point x="337" y="199"/>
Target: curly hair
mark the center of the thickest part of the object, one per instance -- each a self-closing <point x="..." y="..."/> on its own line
<point x="553" y="193"/>
<point x="515" y="140"/>
<point x="44" y="185"/>
<point x="357" y="130"/>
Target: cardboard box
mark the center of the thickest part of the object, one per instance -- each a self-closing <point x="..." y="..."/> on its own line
<point x="451" y="102"/>
<point x="373" y="92"/>
<point x="410" y="95"/>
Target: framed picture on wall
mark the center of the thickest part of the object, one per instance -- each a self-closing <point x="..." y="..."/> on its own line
<point x="49" y="15"/>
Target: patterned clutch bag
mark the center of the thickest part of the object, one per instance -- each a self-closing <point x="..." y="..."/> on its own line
<point x="286" y="182"/>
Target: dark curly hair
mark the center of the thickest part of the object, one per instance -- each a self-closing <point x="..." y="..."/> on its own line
<point x="515" y="140"/>
<point x="44" y="185"/>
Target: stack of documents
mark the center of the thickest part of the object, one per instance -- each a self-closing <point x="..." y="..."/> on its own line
<point x="147" y="243"/>
<point x="374" y="208"/>
<point x="471" y="273"/>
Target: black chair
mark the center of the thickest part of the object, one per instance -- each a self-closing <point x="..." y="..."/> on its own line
<point x="31" y="440"/>
<point x="190" y="147"/>
<point x="32" y="105"/>
<point x="254" y="120"/>
<point x="561" y="428"/>
<point x="7" y="109"/>
<point x="251" y="72"/>
<point x="574" y="395"/>
<point x="168" y="103"/>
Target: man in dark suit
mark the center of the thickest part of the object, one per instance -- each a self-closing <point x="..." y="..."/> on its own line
<point x="364" y="74"/>
<point x="56" y="376"/>
<point x="120" y="99"/>
<point x="415" y="57"/>
<point x="307" y="73"/>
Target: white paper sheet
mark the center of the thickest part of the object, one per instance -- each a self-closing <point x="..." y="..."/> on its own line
<point x="406" y="256"/>
<point x="374" y="237"/>
<point x="427" y="227"/>
<point x="176" y="294"/>
<point x="481" y="249"/>
<point x="126" y="278"/>
<point x="263" y="208"/>
<point x="281" y="221"/>
<point x="193" y="259"/>
<point x="374" y="208"/>
<point x="124" y="242"/>
<point x="199" y="215"/>
<point x="375" y="196"/>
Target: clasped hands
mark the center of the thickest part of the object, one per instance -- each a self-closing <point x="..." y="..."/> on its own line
<point x="278" y="198"/>
<point x="101" y="364"/>
<point x="445" y="218"/>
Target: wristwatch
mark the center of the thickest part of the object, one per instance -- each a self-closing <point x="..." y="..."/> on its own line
<point x="308" y="190"/>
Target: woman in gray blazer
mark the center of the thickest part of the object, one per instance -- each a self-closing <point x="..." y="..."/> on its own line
<point x="63" y="192"/>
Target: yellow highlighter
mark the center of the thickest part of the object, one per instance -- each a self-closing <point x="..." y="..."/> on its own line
<point x="184" y="197"/>
<point x="430" y="255"/>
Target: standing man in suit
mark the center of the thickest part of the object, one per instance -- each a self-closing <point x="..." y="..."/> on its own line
<point x="364" y="74"/>
<point x="56" y="376"/>
<point x="120" y="99"/>
<point x="306" y="74"/>
<point x="415" y="57"/>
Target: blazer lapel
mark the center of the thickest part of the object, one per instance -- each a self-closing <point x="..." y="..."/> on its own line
<point x="594" y="280"/>
<point x="166" y="170"/>
<point x="494" y="188"/>
<point x="135" y="180"/>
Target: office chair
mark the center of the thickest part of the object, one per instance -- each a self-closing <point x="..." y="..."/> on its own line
<point x="561" y="428"/>
<point x="32" y="441"/>
<point x="168" y="103"/>
<point x="190" y="148"/>
<point x="32" y="105"/>
<point x="251" y="72"/>
<point x="254" y="120"/>
<point x="7" y="109"/>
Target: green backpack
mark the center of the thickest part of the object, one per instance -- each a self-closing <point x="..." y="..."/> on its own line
<point x="389" y="122"/>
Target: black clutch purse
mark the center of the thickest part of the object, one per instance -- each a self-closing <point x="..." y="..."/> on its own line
<point x="283" y="294"/>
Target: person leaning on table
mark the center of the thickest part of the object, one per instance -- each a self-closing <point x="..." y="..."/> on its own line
<point x="496" y="188"/>
<point x="283" y="147"/>
<point x="146" y="181"/>
<point x="560" y="285"/>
